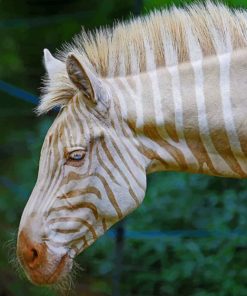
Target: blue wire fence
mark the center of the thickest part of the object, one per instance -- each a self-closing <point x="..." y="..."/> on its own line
<point x="156" y="234"/>
<point x="18" y="93"/>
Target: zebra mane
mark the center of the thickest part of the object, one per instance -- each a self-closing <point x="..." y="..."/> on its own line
<point x="144" y="43"/>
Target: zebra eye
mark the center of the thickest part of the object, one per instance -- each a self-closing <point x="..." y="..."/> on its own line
<point x="75" y="157"/>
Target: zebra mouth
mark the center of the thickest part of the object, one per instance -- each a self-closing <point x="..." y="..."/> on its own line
<point x="42" y="277"/>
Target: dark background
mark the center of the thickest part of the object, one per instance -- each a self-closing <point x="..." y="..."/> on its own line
<point x="190" y="235"/>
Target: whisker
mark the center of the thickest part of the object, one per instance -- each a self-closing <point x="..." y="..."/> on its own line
<point x="10" y="247"/>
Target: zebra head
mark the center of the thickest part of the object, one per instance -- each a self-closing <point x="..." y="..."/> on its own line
<point x="91" y="175"/>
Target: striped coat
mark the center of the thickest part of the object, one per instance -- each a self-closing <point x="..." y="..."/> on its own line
<point x="164" y="92"/>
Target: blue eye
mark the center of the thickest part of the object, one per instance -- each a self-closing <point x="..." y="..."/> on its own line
<point x="75" y="158"/>
<point x="77" y="155"/>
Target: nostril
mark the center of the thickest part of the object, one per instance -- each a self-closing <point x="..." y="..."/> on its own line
<point x="31" y="254"/>
<point x="34" y="254"/>
<point x="32" y="258"/>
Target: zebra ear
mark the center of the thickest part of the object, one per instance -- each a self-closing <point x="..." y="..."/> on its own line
<point x="53" y="66"/>
<point x="82" y="78"/>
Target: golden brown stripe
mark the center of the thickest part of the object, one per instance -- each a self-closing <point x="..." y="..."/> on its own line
<point x="80" y="205"/>
<point x="79" y="192"/>
<point x="214" y="109"/>
<point x="191" y="124"/>
<point x="111" y="196"/>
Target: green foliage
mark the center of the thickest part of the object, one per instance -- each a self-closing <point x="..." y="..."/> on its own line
<point x="154" y="4"/>
<point x="168" y="265"/>
<point x="174" y="264"/>
<point x="185" y="265"/>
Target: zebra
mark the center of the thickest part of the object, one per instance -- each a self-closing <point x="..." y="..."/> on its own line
<point x="162" y="92"/>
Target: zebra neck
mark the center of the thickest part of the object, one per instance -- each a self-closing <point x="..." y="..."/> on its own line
<point x="190" y="117"/>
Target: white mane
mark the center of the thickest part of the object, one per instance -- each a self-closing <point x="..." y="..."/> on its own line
<point x="112" y="52"/>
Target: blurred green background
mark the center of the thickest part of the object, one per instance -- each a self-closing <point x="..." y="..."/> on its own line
<point x="190" y="235"/>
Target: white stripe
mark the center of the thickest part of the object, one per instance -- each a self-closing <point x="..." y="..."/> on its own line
<point x="121" y="100"/>
<point x="152" y="73"/>
<point x="162" y="153"/>
<point x="178" y="111"/>
<point x="130" y="140"/>
<point x="218" y="162"/>
<point x="59" y="173"/>
<point x="196" y="57"/>
<point x="159" y="115"/>
<point x="171" y="58"/>
<point x="46" y="186"/>
<point x="225" y="62"/>
<point x="137" y="98"/>
<point x="121" y="165"/>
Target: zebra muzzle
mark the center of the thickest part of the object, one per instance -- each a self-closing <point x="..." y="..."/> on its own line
<point x="40" y="265"/>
